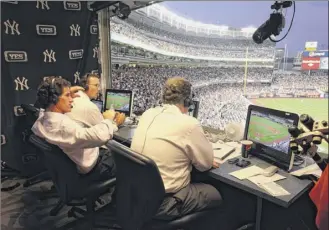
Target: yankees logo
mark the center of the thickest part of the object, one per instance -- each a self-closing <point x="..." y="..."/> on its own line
<point x="49" y="56"/>
<point x="76" y="77"/>
<point x="21" y="84"/>
<point x="43" y="4"/>
<point x="12" y="27"/>
<point x="75" y="30"/>
<point x="95" y="54"/>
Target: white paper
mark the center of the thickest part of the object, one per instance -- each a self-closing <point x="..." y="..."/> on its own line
<point x="311" y="169"/>
<point x="274" y="189"/>
<point x="223" y="151"/>
<point x="260" y="179"/>
<point x="247" y="172"/>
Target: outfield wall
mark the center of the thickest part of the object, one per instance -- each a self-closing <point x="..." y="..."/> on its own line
<point x="286" y="95"/>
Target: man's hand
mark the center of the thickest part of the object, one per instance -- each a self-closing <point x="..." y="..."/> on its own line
<point x="119" y="118"/>
<point x="74" y="90"/>
<point x="215" y="164"/>
<point x="109" y="114"/>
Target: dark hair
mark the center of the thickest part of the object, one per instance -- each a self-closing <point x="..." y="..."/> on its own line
<point x="50" y="89"/>
<point x="83" y="82"/>
<point x="176" y="90"/>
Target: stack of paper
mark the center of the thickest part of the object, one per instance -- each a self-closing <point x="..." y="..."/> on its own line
<point x="247" y="172"/>
<point x="311" y="169"/>
<point x="274" y="189"/>
<point x="260" y="179"/>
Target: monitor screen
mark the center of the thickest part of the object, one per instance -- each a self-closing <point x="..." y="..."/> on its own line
<point x="270" y="130"/>
<point x="99" y="104"/>
<point x="120" y="100"/>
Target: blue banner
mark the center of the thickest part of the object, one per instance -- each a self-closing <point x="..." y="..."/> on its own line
<point x="315" y="53"/>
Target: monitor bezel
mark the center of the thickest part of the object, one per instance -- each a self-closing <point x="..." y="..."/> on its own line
<point x="267" y="153"/>
<point x="128" y="114"/>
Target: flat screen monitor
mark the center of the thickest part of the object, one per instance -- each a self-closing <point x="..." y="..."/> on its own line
<point x="195" y="109"/>
<point x="99" y="105"/>
<point x="122" y="101"/>
<point x="268" y="129"/>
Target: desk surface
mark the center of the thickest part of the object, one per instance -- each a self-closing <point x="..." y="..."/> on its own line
<point x="295" y="186"/>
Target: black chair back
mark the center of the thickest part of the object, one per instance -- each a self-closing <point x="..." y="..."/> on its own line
<point x="140" y="189"/>
<point x="61" y="168"/>
<point x="31" y="112"/>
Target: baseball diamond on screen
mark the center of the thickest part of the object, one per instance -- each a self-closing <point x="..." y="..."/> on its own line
<point x="119" y="101"/>
<point x="270" y="130"/>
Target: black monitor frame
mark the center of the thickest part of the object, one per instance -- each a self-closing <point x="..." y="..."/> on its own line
<point x="271" y="155"/>
<point x="131" y="98"/>
<point x="196" y="108"/>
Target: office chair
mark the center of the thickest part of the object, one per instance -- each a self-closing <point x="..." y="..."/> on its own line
<point x="140" y="192"/>
<point x="32" y="114"/>
<point x="73" y="189"/>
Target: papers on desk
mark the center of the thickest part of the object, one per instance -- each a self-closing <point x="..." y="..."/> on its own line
<point x="274" y="189"/>
<point x="247" y="172"/>
<point x="260" y="179"/>
<point x="309" y="170"/>
<point x="221" y="151"/>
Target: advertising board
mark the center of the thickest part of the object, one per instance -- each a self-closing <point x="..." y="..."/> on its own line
<point x="324" y="63"/>
<point x="311" y="46"/>
<point x="310" y="63"/>
<point x="322" y="53"/>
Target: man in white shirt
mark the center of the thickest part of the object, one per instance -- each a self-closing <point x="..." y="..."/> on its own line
<point x="176" y="142"/>
<point x="84" y="111"/>
<point x="79" y="143"/>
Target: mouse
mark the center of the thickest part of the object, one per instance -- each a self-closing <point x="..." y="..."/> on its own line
<point x="270" y="171"/>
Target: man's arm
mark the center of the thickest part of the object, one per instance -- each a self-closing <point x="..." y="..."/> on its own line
<point x="75" y="136"/>
<point x="199" y="149"/>
<point x="94" y="116"/>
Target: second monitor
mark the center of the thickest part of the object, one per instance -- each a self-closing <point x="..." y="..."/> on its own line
<point x="121" y="100"/>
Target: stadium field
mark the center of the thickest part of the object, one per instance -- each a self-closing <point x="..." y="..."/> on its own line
<point x="315" y="107"/>
<point x="119" y="102"/>
<point x="274" y="132"/>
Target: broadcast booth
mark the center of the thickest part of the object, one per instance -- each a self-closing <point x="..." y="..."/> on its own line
<point x="260" y="177"/>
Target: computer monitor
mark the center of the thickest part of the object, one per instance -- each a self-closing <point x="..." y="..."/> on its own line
<point x="195" y="110"/>
<point x="268" y="129"/>
<point x="122" y="101"/>
<point x="99" y="104"/>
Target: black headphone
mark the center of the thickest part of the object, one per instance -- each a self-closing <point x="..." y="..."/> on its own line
<point x="83" y="82"/>
<point x="52" y="96"/>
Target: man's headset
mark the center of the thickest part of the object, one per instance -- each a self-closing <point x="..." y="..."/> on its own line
<point x="48" y="95"/>
<point x="83" y="82"/>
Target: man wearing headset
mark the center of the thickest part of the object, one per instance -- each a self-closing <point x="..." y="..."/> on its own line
<point x="80" y="144"/>
<point x="85" y="112"/>
<point x="176" y="142"/>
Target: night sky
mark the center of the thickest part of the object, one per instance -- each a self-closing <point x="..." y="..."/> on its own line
<point x="310" y="23"/>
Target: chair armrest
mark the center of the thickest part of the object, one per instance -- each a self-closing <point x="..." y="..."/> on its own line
<point x="100" y="187"/>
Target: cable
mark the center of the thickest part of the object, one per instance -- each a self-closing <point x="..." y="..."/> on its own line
<point x="291" y="22"/>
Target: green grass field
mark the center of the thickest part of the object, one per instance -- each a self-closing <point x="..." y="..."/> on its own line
<point x="117" y="101"/>
<point x="315" y="107"/>
<point x="260" y="126"/>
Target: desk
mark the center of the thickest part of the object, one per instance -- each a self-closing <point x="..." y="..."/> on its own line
<point x="295" y="186"/>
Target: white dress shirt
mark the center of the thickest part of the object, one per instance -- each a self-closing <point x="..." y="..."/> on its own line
<point x="80" y="144"/>
<point x="175" y="142"/>
<point x="84" y="111"/>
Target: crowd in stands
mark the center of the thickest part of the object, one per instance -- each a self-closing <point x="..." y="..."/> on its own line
<point x="219" y="103"/>
<point x="135" y="32"/>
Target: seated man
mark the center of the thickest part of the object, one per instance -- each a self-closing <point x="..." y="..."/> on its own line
<point x="80" y="144"/>
<point x="84" y="111"/>
<point x="176" y="142"/>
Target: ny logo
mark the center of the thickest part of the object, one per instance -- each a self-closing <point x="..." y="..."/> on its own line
<point x="50" y="56"/>
<point x="75" y="30"/>
<point x="43" y="4"/>
<point x="12" y="26"/>
<point x="95" y="54"/>
<point x="76" y="77"/>
<point x="22" y="83"/>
